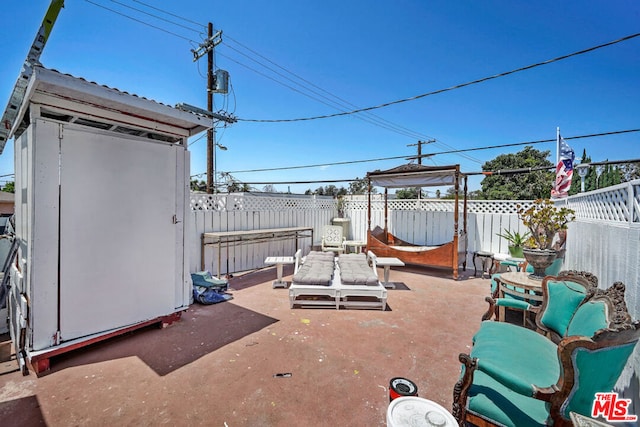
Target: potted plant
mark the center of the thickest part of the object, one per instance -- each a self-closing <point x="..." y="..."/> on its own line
<point x="544" y="220"/>
<point x="516" y="241"/>
<point x="340" y="202"/>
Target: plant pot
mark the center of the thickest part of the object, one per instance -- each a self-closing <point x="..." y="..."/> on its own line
<point x="539" y="259"/>
<point x="516" y="251"/>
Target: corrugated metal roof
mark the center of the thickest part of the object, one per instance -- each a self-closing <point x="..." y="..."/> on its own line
<point x="106" y="87"/>
<point x="44" y="81"/>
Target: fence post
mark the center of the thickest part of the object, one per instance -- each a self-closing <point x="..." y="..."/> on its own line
<point x="630" y="204"/>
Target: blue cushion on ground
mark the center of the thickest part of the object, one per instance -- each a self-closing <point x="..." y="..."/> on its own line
<point x="204" y="278"/>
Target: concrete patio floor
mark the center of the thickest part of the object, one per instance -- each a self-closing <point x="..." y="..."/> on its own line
<point x="216" y="366"/>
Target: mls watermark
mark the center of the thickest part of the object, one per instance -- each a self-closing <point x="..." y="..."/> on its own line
<point x="612" y="408"/>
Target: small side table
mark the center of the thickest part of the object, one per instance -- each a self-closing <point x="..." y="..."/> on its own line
<point x="484" y="258"/>
<point x="279" y="261"/>
<point x="355" y="244"/>
<point x="387" y="263"/>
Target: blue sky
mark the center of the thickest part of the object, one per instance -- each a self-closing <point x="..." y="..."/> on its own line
<point x="367" y="53"/>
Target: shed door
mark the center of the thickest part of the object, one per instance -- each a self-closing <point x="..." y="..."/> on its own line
<point x="117" y="234"/>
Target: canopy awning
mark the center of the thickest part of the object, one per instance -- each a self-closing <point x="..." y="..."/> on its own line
<point x="414" y="175"/>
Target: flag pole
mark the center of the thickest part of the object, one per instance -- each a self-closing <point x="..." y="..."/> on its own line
<point x="557" y="145"/>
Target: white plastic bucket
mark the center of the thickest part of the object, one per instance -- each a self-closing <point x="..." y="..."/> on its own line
<point x="413" y="411"/>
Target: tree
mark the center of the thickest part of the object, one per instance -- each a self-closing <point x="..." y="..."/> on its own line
<point x="631" y="171"/>
<point x="237" y="187"/>
<point x="9" y="187"/>
<point x="576" y="180"/>
<point x="359" y="186"/>
<point x="329" y="190"/>
<point x="198" y="185"/>
<point x="611" y="175"/>
<point x="518" y="186"/>
<point x="407" y="193"/>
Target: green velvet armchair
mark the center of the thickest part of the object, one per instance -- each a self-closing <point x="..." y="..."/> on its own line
<point x="518" y="299"/>
<point x="517" y="377"/>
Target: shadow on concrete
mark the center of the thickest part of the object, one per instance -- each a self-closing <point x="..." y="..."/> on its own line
<point x="201" y="330"/>
<point x="256" y="277"/>
<point x="21" y="412"/>
<point x="399" y="286"/>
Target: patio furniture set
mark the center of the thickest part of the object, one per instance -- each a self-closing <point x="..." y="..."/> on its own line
<point x="335" y="277"/>
<point x="545" y="373"/>
<point x="349" y="280"/>
<point x="517" y="376"/>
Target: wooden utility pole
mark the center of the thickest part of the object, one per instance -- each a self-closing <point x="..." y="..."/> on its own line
<point x="213" y="86"/>
<point x="210" y="132"/>
<point x="419" y="144"/>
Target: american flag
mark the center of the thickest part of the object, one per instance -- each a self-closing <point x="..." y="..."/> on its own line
<point x="564" y="170"/>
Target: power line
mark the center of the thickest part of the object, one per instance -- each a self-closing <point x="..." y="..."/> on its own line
<point x="169" y="13"/>
<point x="351" y="162"/>
<point x="498" y="172"/>
<point x="159" y="17"/>
<point x="336" y="99"/>
<point x="340" y="102"/>
<point x="390" y="125"/>
<point x="450" y="88"/>
<point x="140" y="21"/>
<point x="376" y="121"/>
<point x="618" y="132"/>
<point x="372" y="119"/>
<point x="491" y="147"/>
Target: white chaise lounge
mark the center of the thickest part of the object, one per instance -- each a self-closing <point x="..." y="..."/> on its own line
<point x="349" y="281"/>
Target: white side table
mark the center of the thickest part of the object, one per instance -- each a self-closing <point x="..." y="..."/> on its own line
<point x="387" y="263"/>
<point x="355" y="244"/>
<point x="279" y="261"/>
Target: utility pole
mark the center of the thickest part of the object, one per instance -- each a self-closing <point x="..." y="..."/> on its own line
<point x="419" y="144"/>
<point x="210" y="132"/>
<point x="207" y="47"/>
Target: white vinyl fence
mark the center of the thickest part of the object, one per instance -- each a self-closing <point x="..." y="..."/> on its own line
<point x="243" y="212"/>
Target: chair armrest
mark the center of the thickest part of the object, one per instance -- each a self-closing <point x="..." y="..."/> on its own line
<point x="507" y="379"/>
<point x="513" y="303"/>
<point x="491" y="311"/>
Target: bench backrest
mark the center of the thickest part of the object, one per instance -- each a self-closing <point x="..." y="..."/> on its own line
<point x="332" y="235"/>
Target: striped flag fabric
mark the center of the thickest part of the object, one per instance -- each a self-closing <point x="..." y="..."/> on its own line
<point x="564" y="170"/>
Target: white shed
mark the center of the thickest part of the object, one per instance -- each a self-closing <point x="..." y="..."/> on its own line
<point x="102" y="185"/>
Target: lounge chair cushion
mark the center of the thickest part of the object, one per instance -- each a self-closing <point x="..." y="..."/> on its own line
<point x="355" y="270"/>
<point x="317" y="269"/>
